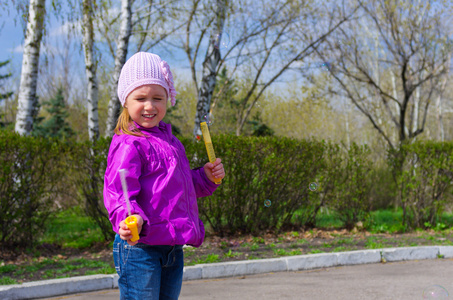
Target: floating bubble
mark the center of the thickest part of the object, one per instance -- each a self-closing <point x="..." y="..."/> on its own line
<point x="221" y="40"/>
<point x="267" y="202"/>
<point x="435" y="292"/>
<point x="208" y="118"/>
<point x="326" y="66"/>
<point x="313" y="186"/>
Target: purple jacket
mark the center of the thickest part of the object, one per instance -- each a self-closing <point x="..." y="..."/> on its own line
<point x="162" y="188"/>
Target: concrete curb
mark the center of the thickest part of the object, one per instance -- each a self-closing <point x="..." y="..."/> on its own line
<point x="57" y="287"/>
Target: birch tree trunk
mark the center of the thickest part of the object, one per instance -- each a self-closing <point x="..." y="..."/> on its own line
<point x="415" y="109"/>
<point x="439" y="113"/>
<point x="120" y="59"/>
<point x="90" y="70"/>
<point x="210" y="63"/>
<point x="397" y="108"/>
<point x="29" y="76"/>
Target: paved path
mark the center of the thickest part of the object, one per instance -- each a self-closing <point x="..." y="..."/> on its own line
<point x="397" y="280"/>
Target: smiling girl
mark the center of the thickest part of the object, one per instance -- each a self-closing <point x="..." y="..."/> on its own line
<point x="163" y="190"/>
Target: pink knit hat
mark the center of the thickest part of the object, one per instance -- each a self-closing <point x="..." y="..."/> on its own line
<point x="145" y="68"/>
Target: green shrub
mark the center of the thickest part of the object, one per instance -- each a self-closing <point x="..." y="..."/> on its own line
<point x="37" y="175"/>
<point x="257" y="169"/>
<point x="425" y="181"/>
<point x="29" y="173"/>
<point x="88" y="162"/>
<point x="350" y="195"/>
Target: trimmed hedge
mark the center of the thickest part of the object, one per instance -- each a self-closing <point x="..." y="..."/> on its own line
<point x="259" y="169"/>
<point x="424" y="179"/>
<point x="29" y="173"/>
<point x="35" y="172"/>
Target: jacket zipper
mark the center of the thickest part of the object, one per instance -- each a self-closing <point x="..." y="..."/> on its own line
<point x="185" y="181"/>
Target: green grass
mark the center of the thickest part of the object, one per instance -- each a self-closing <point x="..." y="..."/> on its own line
<point x="340" y="249"/>
<point x="72" y="229"/>
<point x="232" y="254"/>
<point x="55" y="268"/>
<point x="283" y="252"/>
<point x="371" y="243"/>
<point x="390" y="221"/>
<point x="4" y="280"/>
<point x="8" y="269"/>
<point x="328" y="219"/>
<point x="380" y="221"/>
<point x="210" y="258"/>
<point x="271" y="246"/>
<point x="254" y="247"/>
<point x="189" y="252"/>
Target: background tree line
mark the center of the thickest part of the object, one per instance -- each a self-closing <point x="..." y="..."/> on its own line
<point x="372" y="72"/>
<point x="385" y="63"/>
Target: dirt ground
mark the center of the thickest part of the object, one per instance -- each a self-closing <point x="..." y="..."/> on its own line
<point x="50" y="261"/>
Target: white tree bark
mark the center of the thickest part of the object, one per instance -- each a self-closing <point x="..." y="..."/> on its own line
<point x="397" y="108"/>
<point x="29" y="76"/>
<point x="416" y="109"/>
<point x="90" y="70"/>
<point x="348" y="134"/>
<point x="120" y="59"/>
<point x="439" y="112"/>
<point x="210" y="63"/>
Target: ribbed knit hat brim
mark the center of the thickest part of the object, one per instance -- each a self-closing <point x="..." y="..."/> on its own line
<point x="144" y="68"/>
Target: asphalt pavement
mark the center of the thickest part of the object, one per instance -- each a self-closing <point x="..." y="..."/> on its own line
<point x="387" y="273"/>
<point x="397" y="280"/>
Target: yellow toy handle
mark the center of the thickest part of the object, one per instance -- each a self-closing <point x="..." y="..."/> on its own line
<point x="209" y="147"/>
<point x="131" y="223"/>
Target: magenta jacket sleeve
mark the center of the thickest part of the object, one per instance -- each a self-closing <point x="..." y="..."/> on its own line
<point x="123" y="155"/>
<point x="203" y="186"/>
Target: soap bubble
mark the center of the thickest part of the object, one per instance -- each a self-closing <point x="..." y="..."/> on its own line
<point x="326" y="66"/>
<point x="435" y="292"/>
<point x="208" y="118"/>
<point x="313" y="186"/>
<point x="267" y="202"/>
<point x="221" y="40"/>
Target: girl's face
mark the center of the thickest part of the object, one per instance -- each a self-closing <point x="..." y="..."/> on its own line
<point x="147" y="105"/>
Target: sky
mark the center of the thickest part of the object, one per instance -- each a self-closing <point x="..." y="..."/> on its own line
<point x="12" y="38"/>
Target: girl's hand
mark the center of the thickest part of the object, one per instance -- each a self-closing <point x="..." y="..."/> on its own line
<point x="214" y="170"/>
<point x="126" y="234"/>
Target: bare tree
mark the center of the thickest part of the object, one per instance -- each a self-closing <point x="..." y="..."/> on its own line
<point x="90" y="69"/>
<point x="439" y="109"/>
<point x="290" y="40"/>
<point x="414" y="42"/>
<point x="120" y="59"/>
<point x="263" y="42"/>
<point x="146" y="24"/>
<point x="27" y="90"/>
<point x="210" y="64"/>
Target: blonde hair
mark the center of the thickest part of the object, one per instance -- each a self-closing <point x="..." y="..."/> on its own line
<point x="125" y="125"/>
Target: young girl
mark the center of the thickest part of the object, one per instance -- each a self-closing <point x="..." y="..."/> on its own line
<point x="162" y="188"/>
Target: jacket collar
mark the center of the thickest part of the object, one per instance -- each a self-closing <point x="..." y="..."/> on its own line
<point x="162" y="127"/>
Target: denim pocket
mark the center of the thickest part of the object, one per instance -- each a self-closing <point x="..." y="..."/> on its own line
<point x="116" y="256"/>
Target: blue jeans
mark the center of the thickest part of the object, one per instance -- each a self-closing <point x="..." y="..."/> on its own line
<point x="148" y="272"/>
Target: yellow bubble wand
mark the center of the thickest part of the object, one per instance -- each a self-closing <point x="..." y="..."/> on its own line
<point x="130" y="221"/>
<point x="209" y="147"/>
